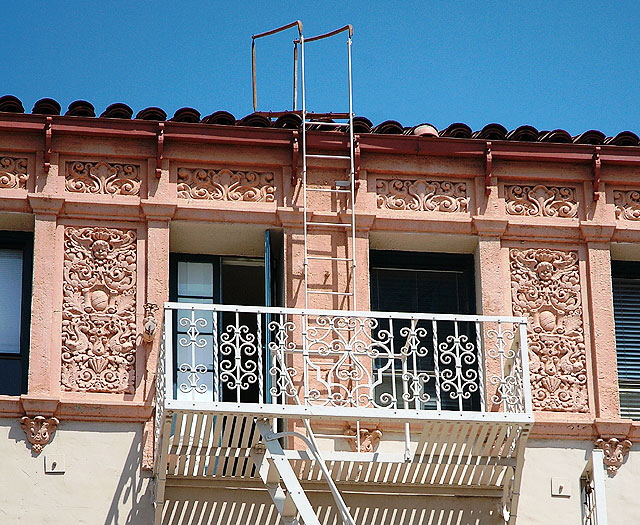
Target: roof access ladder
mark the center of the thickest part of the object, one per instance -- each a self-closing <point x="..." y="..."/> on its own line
<point x="271" y="462"/>
<point x="314" y="220"/>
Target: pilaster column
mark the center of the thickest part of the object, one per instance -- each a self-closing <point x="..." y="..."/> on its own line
<point x="46" y="318"/>
<point x="601" y="319"/>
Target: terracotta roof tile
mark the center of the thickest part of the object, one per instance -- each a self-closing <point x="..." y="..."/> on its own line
<point x="457" y="130"/>
<point x="81" y="108"/>
<point x="291" y="120"/>
<point x="523" y="133"/>
<point x="118" y="110"/>
<point x="592" y="136"/>
<point x="152" y="113"/>
<point x="222" y="118"/>
<point x="11" y="104"/>
<point x="46" y="106"/>
<point x="187" y="115"/>
<point x="491" y="132"/>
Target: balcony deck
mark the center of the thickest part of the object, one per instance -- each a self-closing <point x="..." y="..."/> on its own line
<point x="449" y="394"/>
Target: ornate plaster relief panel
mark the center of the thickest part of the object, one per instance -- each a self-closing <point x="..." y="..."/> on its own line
<point x="226" y="185"/>
<point x="545" y="288"/>
<point x="422" y="195"/>
<point x="13" y="172"/>
<point x="627" y="204"/>
<point x="102" y="178"/>
<point x="98" y="311"/>
<point x="541" y="201"/>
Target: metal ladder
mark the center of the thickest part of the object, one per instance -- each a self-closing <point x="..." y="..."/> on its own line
<point x="345" y="187"/>
<point x="270" y="459"/>
<point x="342" y="187"/>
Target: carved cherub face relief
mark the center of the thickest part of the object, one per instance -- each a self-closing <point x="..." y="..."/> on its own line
<point x="100" y="249"/>
<point x="544" y="270"/>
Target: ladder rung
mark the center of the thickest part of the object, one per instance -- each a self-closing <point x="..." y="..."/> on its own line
<point x="327" y="115"/>
<point x="326" y="292"/>
<point x="318" y="257"/>
<point x="329" y="190"/>
<point x="320" y="123"/>
<point x="318" y="156"/>
<point x="333" y="224"/>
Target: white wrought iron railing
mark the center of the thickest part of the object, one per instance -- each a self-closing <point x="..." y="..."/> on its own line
<point x="284" y="356"/>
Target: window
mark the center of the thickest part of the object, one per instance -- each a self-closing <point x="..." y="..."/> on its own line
<point x="16" y="254"/>
<point x="213" y="279"/>
<point x="432" y="283"/>
<point x="626" y="307"/>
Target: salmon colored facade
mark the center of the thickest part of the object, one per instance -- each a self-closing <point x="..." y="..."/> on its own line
<point x="108" y="200"/>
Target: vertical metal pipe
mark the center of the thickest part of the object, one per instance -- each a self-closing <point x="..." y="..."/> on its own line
<point x="259" y="349"/>
<point x="170" y="370"/>
<point x="436" y="364"/>
<point x="480" y="357"/>
<point x="352" y="174"/>
<point x="217" y="395"/>
<point x="295" y="76"/>
<point x="304" y="174"/>
<point x="253" y="75"/>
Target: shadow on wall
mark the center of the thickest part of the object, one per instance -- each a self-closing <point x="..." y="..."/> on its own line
<point x="133" y="493"/>
<point x="212" y="506"/>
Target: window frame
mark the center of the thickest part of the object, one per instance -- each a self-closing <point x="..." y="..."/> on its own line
<point x="625" y="271"/>
<point x="23" y="241"/>
<point x="463" y="264"/>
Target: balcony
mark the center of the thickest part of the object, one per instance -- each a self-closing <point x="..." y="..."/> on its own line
<point x="356" y="398"/>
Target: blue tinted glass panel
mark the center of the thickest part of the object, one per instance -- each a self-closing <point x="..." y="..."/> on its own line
<point x="10" y="300"/>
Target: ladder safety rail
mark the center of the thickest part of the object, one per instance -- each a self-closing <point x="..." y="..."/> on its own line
<point x="254" y="80"/>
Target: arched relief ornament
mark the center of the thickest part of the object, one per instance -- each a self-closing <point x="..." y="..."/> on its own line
<point x="541" y="201"/>
<point x="545" y="288"/>
<point x="627" y="204"/>
<point x="102" y="178"/>
<point x="13" y="173"/>
<point x="226" y="185"/>
<point x="98" y="311"/>
<point x="615" y="450"/>
<point x="422" y="195"/>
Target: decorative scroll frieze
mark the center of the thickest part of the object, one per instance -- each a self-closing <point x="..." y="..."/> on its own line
<point x="627" y="204"/>
<point x="541" y="201"/>
<point x="545" y="287"/>
<point x="99" y="306"/>
<point x="422" y="195"/>
<point x="13" y="173"/>
<point x="226" y="185"/>
<point x="615" y="451"/>
<point x="103" y="178"/>
<point x="39" y="431"/>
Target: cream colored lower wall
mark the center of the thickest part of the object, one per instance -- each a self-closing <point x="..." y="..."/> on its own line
<point x="566" y="460"/>
<point x="623" y="491"/>
<point x="216" y="506"/>
<point x="102" y="483"/>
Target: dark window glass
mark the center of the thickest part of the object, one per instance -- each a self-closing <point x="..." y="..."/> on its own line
<point x="626" y="306"/>
<point x="425" y="283"/>
<point x="16" y="252"/>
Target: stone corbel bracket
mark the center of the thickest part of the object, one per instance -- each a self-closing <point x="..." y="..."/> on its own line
<point x="369" y="438"/>
<point x="39" y="431"/>
<point x="615" y="451"/>
<point x="149" y="323"/>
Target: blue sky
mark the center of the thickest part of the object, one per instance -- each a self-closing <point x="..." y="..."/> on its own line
<point x="550" y="64"/>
